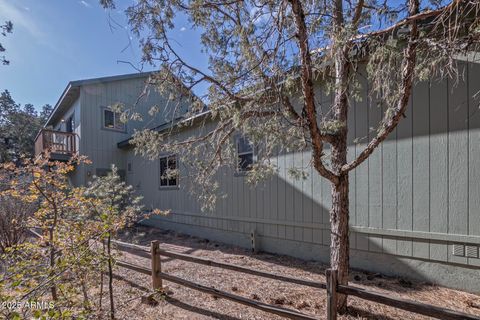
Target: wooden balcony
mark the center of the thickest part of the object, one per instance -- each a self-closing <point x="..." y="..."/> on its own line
<point x="61" y="145"/>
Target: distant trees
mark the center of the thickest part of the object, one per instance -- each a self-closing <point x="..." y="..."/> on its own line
<point x="5" y="28"/>
<point x="18" y="127"/>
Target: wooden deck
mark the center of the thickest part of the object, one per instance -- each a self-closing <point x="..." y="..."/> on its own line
<point x="60" y="145"/>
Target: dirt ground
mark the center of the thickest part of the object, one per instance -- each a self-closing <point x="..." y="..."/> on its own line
<point x="184" y="303"/>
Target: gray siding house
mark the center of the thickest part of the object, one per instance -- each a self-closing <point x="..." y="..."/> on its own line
<point x="414" y="204"/>
<point x="83" y="121"/>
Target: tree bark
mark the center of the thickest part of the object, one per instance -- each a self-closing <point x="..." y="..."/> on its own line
<point x="86" y="300"/>
<point x="339" y="213"/>
<point x="53" y="288"/>
<point x="339" y="245"/>
<point x="101" y="280"/>
<point x="339" y="251"/>
<point x="51" y="239"/>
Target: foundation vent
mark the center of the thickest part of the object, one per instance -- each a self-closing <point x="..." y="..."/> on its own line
<point x="471" y="251"/>
<point x="458" y="250"/>
<point x="254" y="242"/>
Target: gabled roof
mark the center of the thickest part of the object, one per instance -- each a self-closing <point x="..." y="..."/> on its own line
<point x="72" y="92"/>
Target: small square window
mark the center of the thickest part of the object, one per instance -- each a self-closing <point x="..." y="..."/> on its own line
<point x="245" y="154"/>
<point x="168" y="171"/>
<point x="129" y="167"/>
<point x="111" y="120"/>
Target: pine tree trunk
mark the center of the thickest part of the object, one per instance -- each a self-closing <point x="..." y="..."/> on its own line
<point x="339" y="246"/>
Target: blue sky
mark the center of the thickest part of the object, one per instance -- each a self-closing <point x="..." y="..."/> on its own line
<point x="56" y="41"/>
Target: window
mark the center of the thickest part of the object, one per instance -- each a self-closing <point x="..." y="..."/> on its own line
<point x="245" y="153"/>
<point x="168" y="171"/>
<point x="111" y="120"/>
<point x="129" y="167"/>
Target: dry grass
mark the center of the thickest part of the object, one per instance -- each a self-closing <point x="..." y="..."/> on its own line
<point x="184" y="303"/>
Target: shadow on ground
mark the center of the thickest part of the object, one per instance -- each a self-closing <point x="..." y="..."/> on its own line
<point x="178" y="242"/>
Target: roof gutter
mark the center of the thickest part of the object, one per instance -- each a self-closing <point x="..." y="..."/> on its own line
<point x="168" y="125"/>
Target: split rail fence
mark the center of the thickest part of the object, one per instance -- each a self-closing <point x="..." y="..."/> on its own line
<point x="332" y="286"/>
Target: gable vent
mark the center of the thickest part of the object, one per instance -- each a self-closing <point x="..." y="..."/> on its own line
<point x="471" y="251"/>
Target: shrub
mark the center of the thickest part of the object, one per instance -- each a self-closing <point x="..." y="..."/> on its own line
<point x="14" y="215"/>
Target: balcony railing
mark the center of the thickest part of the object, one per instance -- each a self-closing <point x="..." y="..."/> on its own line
<point x="61" y="145"/>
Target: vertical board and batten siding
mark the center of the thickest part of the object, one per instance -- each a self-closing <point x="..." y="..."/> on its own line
<point x="100" y="144"/>
<point x="360" y="123"/>
<point x="458" y="158"/>
<point x="421" y="163"/>
<point x="438" y="171"/>
<point x="75" y="110"/>
<point x="473" y="154"/>
<point x="416" y="196"/>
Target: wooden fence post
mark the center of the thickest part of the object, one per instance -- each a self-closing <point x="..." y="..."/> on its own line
<point x="156" y="265"/>
<point x="331" y="276"/>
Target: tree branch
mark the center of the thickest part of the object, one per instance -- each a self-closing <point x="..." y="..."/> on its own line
<point x="358" y="14"/>
<point x="391" y="122"/>
<point x="309" y="108"/>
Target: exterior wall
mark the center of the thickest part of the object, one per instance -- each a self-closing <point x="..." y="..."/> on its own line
<point x="416" y="197"/>
<point x="76" y="110"/>
<point x="100" y="144"/>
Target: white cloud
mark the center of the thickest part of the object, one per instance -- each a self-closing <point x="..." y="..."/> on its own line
<point x="85" y="4"/>
<point x="183" y="29"/>
<point x="21" y="19"/>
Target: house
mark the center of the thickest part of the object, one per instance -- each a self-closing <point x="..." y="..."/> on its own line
<point x="414" y="204"/>
<point x="84" y="122"/>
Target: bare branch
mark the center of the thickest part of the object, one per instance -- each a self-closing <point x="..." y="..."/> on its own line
<point x="390" y="122"/>
<point x="308" y="92"/>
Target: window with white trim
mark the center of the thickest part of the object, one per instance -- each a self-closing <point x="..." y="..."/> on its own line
<point x="245" y="154"/>
<point x="111" y="120"/>
<point x="168" y="171"/>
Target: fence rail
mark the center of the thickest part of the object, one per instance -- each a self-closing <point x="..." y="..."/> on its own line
<point x="185" y="257"/>
<point x="408" y="305"/>
<point x="218" y="293"/>
<point x="332" y="287"/>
